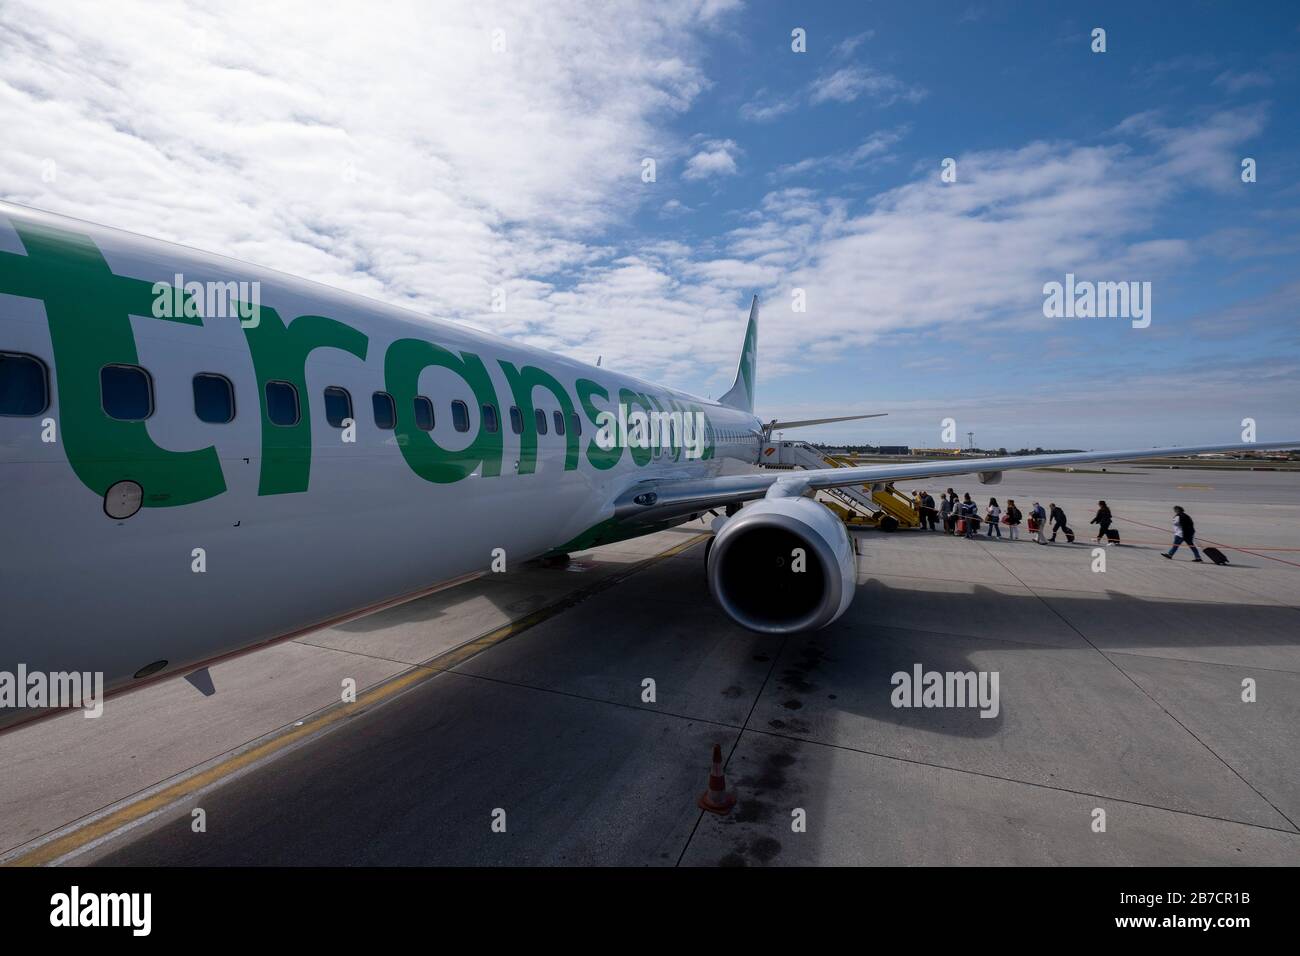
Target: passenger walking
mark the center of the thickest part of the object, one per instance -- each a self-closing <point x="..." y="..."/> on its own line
<point x="1184" y="533"/>
<point x="970" y="513"/>
<point x="1012" y="520"/>
<point x="1101" y="519"/>
<point x="1038" y="523"/>
<point x="946" y="511"/>
<point x="1058" y="522"/>
<point x="994" y="517"/>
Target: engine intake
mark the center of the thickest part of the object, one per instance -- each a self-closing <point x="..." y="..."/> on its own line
<point x="758" y="578"/>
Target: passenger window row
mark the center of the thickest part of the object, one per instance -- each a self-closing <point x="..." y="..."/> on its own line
<point x="126" y="394"/>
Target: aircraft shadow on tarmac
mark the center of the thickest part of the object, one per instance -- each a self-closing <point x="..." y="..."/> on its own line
<point x="549" y="724"/>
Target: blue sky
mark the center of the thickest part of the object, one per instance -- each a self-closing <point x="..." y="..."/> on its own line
<point x="430" y="158"/>
<point x="999" y="76"/>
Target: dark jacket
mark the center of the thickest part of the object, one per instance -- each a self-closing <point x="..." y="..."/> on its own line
<point x="1013" y="515"/>
<point x="1189" y="529"/>
<point x="1102" y="517"/>
<point x="1058" y="516"/>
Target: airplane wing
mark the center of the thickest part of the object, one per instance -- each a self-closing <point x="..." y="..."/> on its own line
<point x="776" y="425"/>
<point x="662" y="499"/>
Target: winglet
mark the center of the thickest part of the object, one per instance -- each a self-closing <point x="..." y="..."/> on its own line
<point x="741" y="393"/>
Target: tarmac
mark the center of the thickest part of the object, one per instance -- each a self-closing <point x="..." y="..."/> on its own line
<point x="508" y="720"/>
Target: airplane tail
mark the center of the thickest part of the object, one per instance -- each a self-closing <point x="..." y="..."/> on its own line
<point x="741" y="393"/>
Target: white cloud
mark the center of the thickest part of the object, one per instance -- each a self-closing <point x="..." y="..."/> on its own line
<point x="846" y="47"/>
<point x="391" y="152"/>
<point x="874" y="149"/>
<point x="715" y="158"/>
<point x="1204" y="153"/>
<point x="763" y="108"/>
<point x="387" y="150"/>
<point x="1237" y="82"/>
<point x="851" y="82"/>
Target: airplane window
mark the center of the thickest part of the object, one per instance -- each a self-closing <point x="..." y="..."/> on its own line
<point x="282" y="403"/>
<point x="559" y="422"/>
<point x="385" y="410"/>
<point x="490" y="420"/>
<point x="423" y="413"/>
<point x="516" y="420"/>
<point x="23" y="385"/>
<point x="575" y="423"/>
<point x="460" y="416"/>
<point x="338" y="405"/>
<point x="126" y="392"/>
<point x="214" y="398"/>
<point x="541" y="421"/>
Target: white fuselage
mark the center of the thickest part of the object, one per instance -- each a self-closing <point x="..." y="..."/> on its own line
<point x="283" y="548"/>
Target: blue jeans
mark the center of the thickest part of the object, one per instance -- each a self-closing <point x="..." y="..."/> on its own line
<point x="1178" y="539"/>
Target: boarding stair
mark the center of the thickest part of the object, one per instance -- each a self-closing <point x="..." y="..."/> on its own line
<point x="877" y="505"/>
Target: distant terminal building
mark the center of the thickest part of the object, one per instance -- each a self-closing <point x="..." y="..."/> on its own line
<point x="893" y="450"/>
<point x="927" y="452"/>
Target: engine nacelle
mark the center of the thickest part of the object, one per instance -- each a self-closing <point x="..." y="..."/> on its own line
<point x="783" y="565"/>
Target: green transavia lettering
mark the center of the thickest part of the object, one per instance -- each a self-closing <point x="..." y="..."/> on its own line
<point x="89" y="309"/>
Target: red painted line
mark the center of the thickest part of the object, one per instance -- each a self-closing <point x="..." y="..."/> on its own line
<point x="1218" y="544"/>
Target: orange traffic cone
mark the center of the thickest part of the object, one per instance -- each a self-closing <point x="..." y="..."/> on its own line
<point x="716" y="799"/>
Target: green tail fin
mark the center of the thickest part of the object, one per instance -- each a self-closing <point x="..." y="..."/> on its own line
<point x="741" y="393"/>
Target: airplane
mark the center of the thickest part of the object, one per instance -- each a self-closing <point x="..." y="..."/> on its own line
<point x="199" y="457"/>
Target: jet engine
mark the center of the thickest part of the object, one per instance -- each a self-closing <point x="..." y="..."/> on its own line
<point x="782" y="565"/>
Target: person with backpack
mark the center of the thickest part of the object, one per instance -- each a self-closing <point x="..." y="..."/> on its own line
<point x="970" y="514"/>
<point x="1038" y="522"/>
<point x="1058" y="522"/>
<point x="993" y="516"/>
<point x="1012" y="520"/>
<point x="1184" y="533"/>
<point x="1102" y="520"/>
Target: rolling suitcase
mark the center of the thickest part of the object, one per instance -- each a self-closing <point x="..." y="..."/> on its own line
<point x="961" y="525"/>
<point x="1069" y="535"/>
<point x="1112" y="536"/>
<point x="1215" y="555"/>
<point x="1033" y="524"/>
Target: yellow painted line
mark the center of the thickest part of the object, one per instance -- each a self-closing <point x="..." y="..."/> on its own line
<point x="138" y="810"/>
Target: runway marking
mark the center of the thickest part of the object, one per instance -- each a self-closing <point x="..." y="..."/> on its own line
<point x="133" y="812"/>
